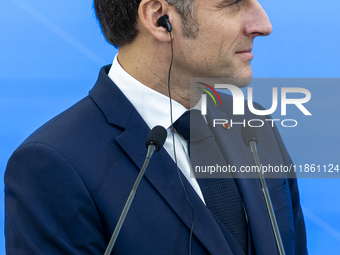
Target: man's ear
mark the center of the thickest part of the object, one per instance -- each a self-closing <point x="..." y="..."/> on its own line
<point x="150" y="11"/>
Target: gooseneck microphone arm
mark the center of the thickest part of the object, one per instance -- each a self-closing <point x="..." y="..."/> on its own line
<point x="249" y="136"/>
<point x="155" y="141"/>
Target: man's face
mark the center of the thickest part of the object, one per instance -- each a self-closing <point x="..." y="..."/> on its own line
<point x="224" y="42"/>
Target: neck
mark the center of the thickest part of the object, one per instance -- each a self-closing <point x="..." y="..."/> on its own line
<point x="150" y="66"/>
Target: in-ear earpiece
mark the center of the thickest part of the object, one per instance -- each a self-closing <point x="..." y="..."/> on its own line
<point x="164" y="22"/>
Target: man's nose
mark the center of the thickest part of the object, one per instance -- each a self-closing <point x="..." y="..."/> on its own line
<point x="257" y="21"/>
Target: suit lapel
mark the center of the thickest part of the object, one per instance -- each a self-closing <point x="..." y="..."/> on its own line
<point x="162" y="175"/>
<point x="161" y="172"/>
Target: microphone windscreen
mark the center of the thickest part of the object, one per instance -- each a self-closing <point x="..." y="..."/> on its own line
<point x="249" y="134"/>
<point x="156" y="137"/>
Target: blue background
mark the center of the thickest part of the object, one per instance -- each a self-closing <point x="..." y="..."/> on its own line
<point x="51" y="52"/>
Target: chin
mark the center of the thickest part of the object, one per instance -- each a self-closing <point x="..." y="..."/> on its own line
<point x="242" y="79"/>
<point x="243" y="82"/>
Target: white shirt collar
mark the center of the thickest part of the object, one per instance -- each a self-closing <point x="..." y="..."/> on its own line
<point x="153" y="106"/>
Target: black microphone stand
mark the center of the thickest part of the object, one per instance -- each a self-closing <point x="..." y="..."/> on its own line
<point x="155" y="141"/>
<point x="128" y="203"/>
<point x="266" y="195"/>
<point x="249" y="136"/>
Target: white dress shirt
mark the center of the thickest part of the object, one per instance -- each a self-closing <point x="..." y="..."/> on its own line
<point x="154" y="108"/>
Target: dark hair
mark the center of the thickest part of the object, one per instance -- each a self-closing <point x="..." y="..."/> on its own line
<point x="118" y="19"/>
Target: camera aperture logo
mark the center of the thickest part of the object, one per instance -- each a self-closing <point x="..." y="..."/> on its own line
<point x="208" y="92"/>
<point x="239" y="105"/>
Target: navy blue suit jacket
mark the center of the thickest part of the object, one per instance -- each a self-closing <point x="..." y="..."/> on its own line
<point x="67" y="184"/>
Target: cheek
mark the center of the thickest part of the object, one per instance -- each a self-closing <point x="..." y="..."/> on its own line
<point x="226" y="45"/>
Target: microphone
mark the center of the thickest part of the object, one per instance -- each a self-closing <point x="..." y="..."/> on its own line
<point x="156" y="138"/>
<point x="154" y="141"/>
<point x="249" y="134"/>
<point x="250" y="138"/>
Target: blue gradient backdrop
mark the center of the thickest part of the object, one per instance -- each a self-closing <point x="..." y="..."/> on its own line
<point x="51" y="52"/>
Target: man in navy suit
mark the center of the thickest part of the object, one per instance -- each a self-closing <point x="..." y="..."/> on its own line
<point x="67" y="184"/>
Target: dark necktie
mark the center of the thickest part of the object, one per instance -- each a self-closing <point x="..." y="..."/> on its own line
<point x="220" y="194"/>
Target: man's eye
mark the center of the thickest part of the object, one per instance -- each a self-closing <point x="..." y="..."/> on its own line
<point x="229" y="4"/>
<point x="236" y="2"/>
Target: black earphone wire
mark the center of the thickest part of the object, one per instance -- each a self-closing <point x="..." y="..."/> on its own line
<point x="173" y="142"/>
